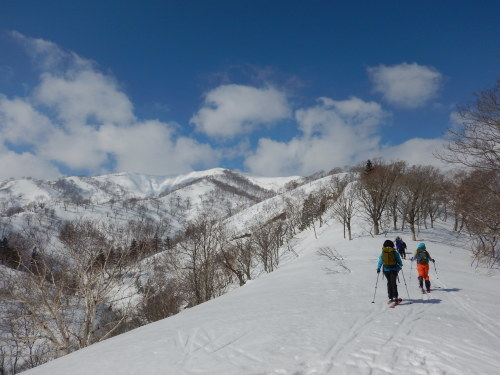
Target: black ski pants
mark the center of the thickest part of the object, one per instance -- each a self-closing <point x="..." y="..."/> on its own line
<point x="392" y="287"/>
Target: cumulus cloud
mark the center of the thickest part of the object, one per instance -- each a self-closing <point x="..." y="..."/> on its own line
<point x="21" y="124"/>
<point x="417" y="151"/>
<point x="84" y="97"/>
<point x="24" y="164"/>
<point x="76" y="149"/>
<point x="334" y="133"/>
<point x="337" y="134"/>
<point x="149" y="147"/>
<point x="230" y="110"/>
<point x="332" y="114"/>
<point x="79" y="117"/>
<point x="406" y="85"/>
<point x="48" y="56"/>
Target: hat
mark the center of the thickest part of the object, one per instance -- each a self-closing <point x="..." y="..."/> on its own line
<point x="388" y="243"/>
<point x="421" y="246"/>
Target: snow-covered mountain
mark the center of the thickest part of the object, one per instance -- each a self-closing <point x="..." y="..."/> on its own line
<point x="125" y="195"/>
<point x="314" y="316"/>
<point x="131" y="185"/>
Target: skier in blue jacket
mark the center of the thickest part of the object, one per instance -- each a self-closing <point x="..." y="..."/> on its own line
<point x="392" y="263"/>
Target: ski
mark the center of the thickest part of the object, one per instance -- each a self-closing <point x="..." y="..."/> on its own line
<point x="394" y="304"/>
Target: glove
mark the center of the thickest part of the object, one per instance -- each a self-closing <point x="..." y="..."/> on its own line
<point x="378" y="270"/>
<point x="433" y="261"/>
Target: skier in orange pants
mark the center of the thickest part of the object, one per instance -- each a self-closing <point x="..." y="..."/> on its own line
<point x="423" y="257"/>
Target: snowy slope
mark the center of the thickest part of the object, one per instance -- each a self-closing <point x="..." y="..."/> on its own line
<point x="273" y="183"/>
<point x="313" y="316"/>
<point x="269" y="208"/>
<point x="24" y="190"/>
<point x="148" y="185"/>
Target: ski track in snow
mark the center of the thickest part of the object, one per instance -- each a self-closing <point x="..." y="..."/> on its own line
<point x="207" y="342"/>
<point x="389" y="345"/>
<point x="350" y="354"/>
<point x="481" y="320"/>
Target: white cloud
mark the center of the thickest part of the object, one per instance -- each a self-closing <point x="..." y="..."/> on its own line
<point x="78" y="117"/>
<point x="85" y="97"/>
<point x="333" y="114"/>
<point x="47" y="55"/>
<point x="76" y="148"/>
<point x="230" y="110"/>
<point x="406" y="85"/>
<point x="335" y="133"/>
<point x="417" y="151"/>
<point x="149" y="147"/>
<point x="23" y="165"/>
<point x="22" y="124"/>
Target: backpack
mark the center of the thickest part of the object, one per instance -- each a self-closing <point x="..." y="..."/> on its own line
<point x="388" y="256"/>
<point x="422" y="256"/>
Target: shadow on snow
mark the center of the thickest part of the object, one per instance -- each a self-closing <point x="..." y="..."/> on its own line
<point x="410" y="301"/>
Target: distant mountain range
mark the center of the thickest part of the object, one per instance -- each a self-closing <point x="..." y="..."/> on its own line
<point x="127" y="195"/>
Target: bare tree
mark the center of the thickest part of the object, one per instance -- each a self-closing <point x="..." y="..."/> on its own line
<point x="147" y="235"/>
<point x="313" y="208"/>
<point x="310" y="208"/>
<point x="162" y="296"/>
<point x="374" y="190"/>
<point x="245" y="255"/>
<point x="455" y="194"/>
<point x="267" y="240"/>
<point x="417" y="185"/>
<point x="476" y="143"/>
<point x="237" y="254"/>
<point x="292" y="204"/>
<point x="481" y="201"/>
<point x="436" y="201"/>
<point x="202" y="277"/>
<point x="344" y="207"/>
<point x="75" y="295"/>
<point x="393" y="205"/>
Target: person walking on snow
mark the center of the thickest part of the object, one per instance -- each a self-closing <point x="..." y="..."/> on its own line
<point x="392" y="263"/>
<point x="422" y="256"/>
<point x="401" y="247"/>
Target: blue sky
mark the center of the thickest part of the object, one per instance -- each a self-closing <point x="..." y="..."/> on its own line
<point x="266" y="87"/>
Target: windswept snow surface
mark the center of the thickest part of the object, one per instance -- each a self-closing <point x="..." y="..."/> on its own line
<point x="314" y="316"/>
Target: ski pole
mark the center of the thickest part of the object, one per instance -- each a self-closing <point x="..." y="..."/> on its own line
<point x="375" y="288"/>
<point x="405" y="284"/>
<point x="435" y="270"/>
<point x="411" y="268"/>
